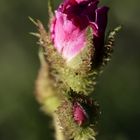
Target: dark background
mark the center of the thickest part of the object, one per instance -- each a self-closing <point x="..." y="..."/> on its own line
<point x="118" y="90"/>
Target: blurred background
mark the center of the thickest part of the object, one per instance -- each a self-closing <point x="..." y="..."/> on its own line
<point x="118" y="90"/>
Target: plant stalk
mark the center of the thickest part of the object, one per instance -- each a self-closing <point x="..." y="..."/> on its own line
<point x="58" y="133"/>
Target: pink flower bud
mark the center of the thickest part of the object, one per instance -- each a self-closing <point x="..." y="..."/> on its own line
<point x="80" y="115"/>
<point x="68" y="29"/>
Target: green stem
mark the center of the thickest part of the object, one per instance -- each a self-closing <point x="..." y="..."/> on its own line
<point x="58" y="133"/>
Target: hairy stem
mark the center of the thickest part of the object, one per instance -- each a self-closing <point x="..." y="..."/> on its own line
<point x="58" y="133"/>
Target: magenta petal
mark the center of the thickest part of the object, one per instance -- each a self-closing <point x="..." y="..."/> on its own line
<point x="79" y="113"/>
<point x="68" y="39"/>
<point x="75" y="45"/>
<point x="101" y="19"/>
<point x="94" y="27"/>
<point x="90" y="10"/>
<point x="99" y="27"/>
<point x="79" y="1"/>
<point x="68" y="29"/>
<point x="71" y="2"/>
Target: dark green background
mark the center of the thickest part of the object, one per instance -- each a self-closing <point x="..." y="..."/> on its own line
<point x="118" y="90"/>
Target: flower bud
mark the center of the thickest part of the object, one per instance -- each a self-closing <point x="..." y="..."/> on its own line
<point x="80" y="115"/>
<point x="69" y="26"/>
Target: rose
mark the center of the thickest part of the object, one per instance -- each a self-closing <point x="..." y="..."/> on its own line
<point x="68" y="28"/>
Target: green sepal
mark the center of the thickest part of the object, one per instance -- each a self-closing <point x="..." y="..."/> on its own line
<point x="108" y="47"/>
<point x="78" y="73"/>
<point x="50" y="10"/>
<point x="46" y="92"/>
<point x="79" y="82"/>
<point x="49" y="87"/>
<point x="66" y="120"/>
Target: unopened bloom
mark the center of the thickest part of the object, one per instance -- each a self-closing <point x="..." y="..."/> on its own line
<point x="68" y="29"/>
<point x="79" y="113"/>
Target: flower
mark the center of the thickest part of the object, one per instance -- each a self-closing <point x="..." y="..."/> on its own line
<point x="80" y="115"/>
<point x="68" y="28"/>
